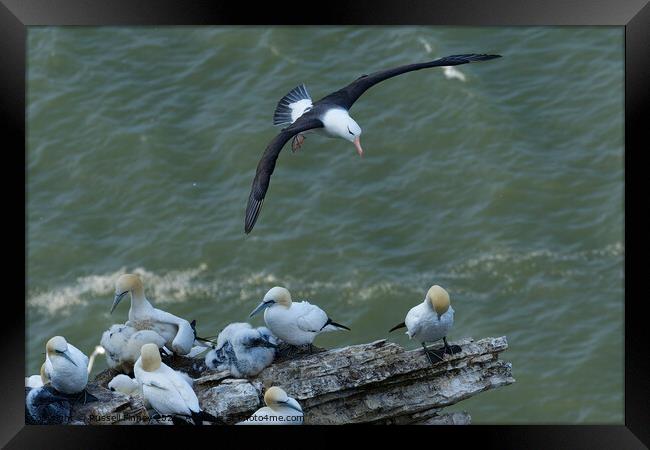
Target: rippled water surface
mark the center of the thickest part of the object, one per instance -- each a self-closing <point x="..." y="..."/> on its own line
<point x="506" y="188"/>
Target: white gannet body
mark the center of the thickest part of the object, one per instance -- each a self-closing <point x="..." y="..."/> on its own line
<point x="243" y="350"/>
<point x="167" y="390"/>
<point x="296" y="323"/>
<point x="43" y="406"/>
<point x="33" y="381"/>
<point x="178" y="333"/>
<point x="36" y="381"/>
<point x="65" y="366"/>
<point x="123" y="343"/>
<point x="125" y="384"/>
<point x="280" y="409"/>
<point x="130" y="386"/>
<point x="431" y="321"/>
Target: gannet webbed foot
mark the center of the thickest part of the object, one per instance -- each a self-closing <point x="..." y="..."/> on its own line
<point x="181" y="421"/>
<point x="438" y="355"/>
<point x="451" y="349"/>
<point x="297" y="142"/>
<point x="87" y="397"/>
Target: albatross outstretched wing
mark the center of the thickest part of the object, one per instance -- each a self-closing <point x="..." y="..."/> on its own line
<point x="267" y="164"/>
<point x="348" y="95"/>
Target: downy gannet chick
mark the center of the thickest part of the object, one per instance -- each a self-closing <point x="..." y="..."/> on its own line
<point x="66" y="367"/>
<point x="36" y="381"/>
<point x="430" y="321"/>
<point x="166" y="390"/>
<point x="45" y="406"/>
<point x="243" y="350"/>
<point x="123" y="344"/>
<point x="221" y="354"/>
<point x="178" y="333"/>
<point x="280" y="409"/>
<point x="294" y="323"/>
<point x="125" y="384"/>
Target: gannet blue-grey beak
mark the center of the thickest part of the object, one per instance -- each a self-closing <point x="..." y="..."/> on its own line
<point x="262" y="306"/>
<point x="293" y="404"/>
<point x="117" y="299"/>
<point x="66" y="356"/>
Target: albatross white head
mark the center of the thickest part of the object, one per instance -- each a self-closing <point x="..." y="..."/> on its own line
<point x="127" y="283"/>
<point x="275" y="296"/>
<point x="57" y="347"/>
<point x="339" y="123"/>
<point x="439" y="299"/>
<point x="150" y="356"/>
<point x="275" y="397"/>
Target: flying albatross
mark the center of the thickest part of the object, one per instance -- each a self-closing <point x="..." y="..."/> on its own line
<point x="330" y="117"/>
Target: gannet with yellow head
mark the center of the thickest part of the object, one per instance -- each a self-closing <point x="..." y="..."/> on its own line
<point x="280" y="409"/>
<point x="296" y="323"/>
<point x="430" y="321"/>
<point x="178" y="333"/>
<point x="166" y="389"/>
<point x="65" y="366"/>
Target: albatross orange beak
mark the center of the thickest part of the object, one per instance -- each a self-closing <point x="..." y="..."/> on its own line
<point x="357" y="144"/>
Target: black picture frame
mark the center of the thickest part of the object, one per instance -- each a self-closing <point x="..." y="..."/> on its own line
<point x="16" y="15"/>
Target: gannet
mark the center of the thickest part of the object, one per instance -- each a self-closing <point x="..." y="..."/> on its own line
<point x="45" y="406"/>
<point x="130" y="386"/>
<point x="243" y="350"/>
<point x="166" y="390"/>
<point x="280" y="409"/>
<point x="294" y="323"/>
<point x="65" y="366"/>
<point x="430" y="321"/>
<point x="125" y="384"/>
<point x="328" y="116"/>
<point x="178" y="333"/>
<point x="35" y="381"/>
<point x="123" y="344"/>
<point x="99" y="350"/>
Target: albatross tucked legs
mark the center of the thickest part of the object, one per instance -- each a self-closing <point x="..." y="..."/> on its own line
<point x="297" y="142"/>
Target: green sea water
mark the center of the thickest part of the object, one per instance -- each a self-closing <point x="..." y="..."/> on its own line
<point x="506" y="188"/>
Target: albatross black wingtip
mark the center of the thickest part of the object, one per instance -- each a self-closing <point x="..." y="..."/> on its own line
<point x="491" y="57"/>
<point x="455" y="60"/>
<point x="252" y="213"/>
